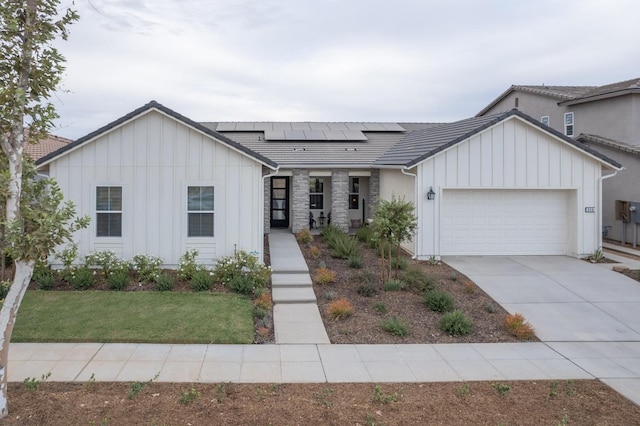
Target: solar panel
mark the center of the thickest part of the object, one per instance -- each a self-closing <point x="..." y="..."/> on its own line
<point x="300" y="126"/>
<point x="315" y="135"/>
<point x="245" y="127"/>
<point x="226" y="127"/>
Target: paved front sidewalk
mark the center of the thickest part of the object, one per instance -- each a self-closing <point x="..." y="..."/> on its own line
<point x="296" y="363"/>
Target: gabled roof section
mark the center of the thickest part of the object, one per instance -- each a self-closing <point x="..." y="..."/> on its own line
<point x="609" y="143"/>
<point x="45" y="146"/>
<point x="153" y="105"/>
<point x="607" y="91"/>
<point x="560" y="93"/>
<point x="422" y="144"/>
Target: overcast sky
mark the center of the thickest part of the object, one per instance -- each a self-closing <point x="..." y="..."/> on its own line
<point x="333" y="60"/>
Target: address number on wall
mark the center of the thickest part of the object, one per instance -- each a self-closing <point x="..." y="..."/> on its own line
<point x="589" y="209"/>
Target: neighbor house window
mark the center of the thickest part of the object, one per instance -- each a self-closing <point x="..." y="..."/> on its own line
<point x="354" y="193"/>
<point x="568" y="123"/>
<point x="200" y="211"/>
<point x="109" y="211"/>
<point x="545" y="120"/>
<point x="316" y="193"/>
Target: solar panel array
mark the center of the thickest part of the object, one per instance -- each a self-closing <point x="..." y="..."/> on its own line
<point x="310" y="131"/>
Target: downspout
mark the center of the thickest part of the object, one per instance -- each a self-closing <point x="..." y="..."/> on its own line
<point x="599" y="225"/>
<point x="264" y="178"/>
<point x="415" y="200"/>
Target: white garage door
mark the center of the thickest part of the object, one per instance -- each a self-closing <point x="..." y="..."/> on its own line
<point x="504" y="222"/>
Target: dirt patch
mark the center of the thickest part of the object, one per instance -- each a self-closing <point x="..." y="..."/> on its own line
<point x="470" y="403"/>
<point x="364" y="326"/>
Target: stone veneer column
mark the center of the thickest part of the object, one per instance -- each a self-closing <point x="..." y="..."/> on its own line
<point x="300" y="200"/>
<point x="267" y="205"/>
<point x="374" y="192"/>
<point x="340" y="199"/>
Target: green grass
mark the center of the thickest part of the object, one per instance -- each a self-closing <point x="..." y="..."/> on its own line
<point x="142" y="317"/>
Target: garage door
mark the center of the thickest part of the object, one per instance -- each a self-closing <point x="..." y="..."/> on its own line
<point x="503" y="222"/>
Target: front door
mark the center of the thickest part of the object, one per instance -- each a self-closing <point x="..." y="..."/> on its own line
<point x="280" y="202"/>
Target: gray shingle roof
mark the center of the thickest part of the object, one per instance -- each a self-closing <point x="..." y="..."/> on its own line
<point x="610" y="143"/>
<point x="422" y="144"/>
<point x="608" y="90"/>
<point x="326" y="153"/>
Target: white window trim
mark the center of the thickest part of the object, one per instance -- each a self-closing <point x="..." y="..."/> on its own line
<point x="351" y="194"/>
<point x="572" y="124"/>
<point x="186" y="205"/>
<point x="96" y="211"/>
<point x="317" y="193"/>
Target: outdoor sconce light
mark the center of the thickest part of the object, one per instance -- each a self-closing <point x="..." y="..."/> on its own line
<point x="431" y="195"/>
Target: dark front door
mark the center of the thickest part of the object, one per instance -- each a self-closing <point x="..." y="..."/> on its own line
<point x="279" y="202"/>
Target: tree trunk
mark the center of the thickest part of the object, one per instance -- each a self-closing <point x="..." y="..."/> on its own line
<point x="21" y="279"/>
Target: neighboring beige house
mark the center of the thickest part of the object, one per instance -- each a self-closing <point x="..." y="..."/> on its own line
<point x="604" y="117"/>
<point x="156" y="182"/>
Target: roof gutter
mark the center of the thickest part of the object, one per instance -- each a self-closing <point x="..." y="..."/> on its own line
<point x="599" y="224"/>
<point x="415" y="205"/>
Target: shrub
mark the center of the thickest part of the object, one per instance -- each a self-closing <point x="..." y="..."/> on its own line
<point x="264" y="301"/>
<point x="380" y="307"/>
<point x="400" y="263"/>
<point x="106" y="261"/>
<point x="304" y="236"/>
<point x="365" y="277"/>
<point x="188" y="265"/>
<point x="455" y="323"/>
<point x="148" y="267"/>
<point x="339" y="309"/>
<point x="395" y="325"/>
<point x="260" y="312"/>
<point x="490" y="307"/>
<point x="330" y="295"/>
<point x="4" y="289"/>
<point x="367" y="290"/>
<point x="438" y="301"/>
<point x="469" y="288"/>
<point x="82" y="278"/>
<point x="164" y="282"/>
<point x="67" y="257"/>
<point x="518" y="327"/>
<point x="118" y="279"/>
<point x="324" y="276"/>
<point x="201" y="281"/>
<point x="364" y="234"/>
<point x="314" y="251"/>
<point x="416" y="279"/>
<point x="344" y="247"/>
<point x="43" y="277"/>
<point x="394" y="285"/>
<point x="355" y="262"/>
<point x="242" y="264"/>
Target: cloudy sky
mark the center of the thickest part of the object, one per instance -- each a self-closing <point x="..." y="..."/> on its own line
<point x="333" y="60"/>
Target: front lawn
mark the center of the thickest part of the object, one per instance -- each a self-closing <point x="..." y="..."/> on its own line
<point x="141" y="317"/>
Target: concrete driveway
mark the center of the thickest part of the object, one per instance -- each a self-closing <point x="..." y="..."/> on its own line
<point x="565" y="299"/>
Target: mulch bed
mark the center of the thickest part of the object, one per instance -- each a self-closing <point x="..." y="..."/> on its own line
<point x="363" y="327"/>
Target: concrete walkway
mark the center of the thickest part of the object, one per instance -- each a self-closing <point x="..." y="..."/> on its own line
<point x="296" y="318"/>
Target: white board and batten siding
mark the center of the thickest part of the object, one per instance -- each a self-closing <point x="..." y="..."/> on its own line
<point x="510" y="189"/>
<point x="155" y="158"/>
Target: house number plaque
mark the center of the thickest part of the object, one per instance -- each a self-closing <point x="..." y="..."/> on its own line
<point x="589" y="209"/>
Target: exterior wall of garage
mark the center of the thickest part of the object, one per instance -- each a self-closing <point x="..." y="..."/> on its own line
<point x="514" y="155"/>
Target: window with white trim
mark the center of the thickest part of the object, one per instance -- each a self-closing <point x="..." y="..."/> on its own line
<point x="316" y="193"/>
<point x="545" y="120"/>
<point x="354" y="193"/>
<point x="200" y="211"/>
<point x="109" y="211"/>
<point x="568" y="123"/>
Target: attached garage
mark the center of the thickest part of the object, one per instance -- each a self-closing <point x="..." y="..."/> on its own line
<point x="495" y="222"/>
<point x="499" y="185"/>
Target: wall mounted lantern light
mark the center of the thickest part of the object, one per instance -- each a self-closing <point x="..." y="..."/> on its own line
<point x="431" y="195"/>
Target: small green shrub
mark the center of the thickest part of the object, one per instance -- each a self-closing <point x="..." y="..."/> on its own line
<point x="4" y="289"/>
<point x="364" y="277"/>
<point x="82" y="278"/>
<point x="438" y="301"/>
<point x="367" y="290"/>
<point x="118" y="279"/>
<point x="501" y="388"/>
<point x="364" y="234"/>
<point x="395" y="325"/>
<point x="490" y="307"/>
<point x="394" y="285"/>
<point x="330" y="295"/>
<point x="355" y="262"/>
<point x="260" y="312"/>
<point x="201" y="281"/>
<point x="344" y="247"/>
<point x="188" y="265"/>
<point x="242" y="284"/>
<point x="148" y="267"/>
<point x="188" y="396"/>
<point x="455" y="323"/>
<point x="380" y="307"/>
<point x="400" y="263"/>
<point x="67" y="257"/>
<point x="416" y="279"/>
<point x="32" y="384"/>
<point x="380" y="396"/>
<point x="244" y="264"/>
<point x="43" y="277"/>
<point x="164" y="282"/>
<point x="106" y="261"/>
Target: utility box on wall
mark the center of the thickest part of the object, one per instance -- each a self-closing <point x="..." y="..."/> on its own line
<point x="634" y="209"/>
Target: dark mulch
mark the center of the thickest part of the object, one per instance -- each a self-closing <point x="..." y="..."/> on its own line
<point x="363" y="327"/>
